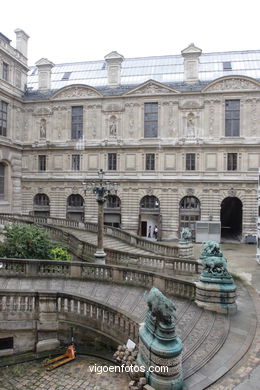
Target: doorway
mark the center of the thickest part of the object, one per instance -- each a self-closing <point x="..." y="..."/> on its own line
<point x="231" y="216"/>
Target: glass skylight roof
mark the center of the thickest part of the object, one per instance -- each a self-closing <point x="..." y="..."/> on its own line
<point x="163" y="69"/>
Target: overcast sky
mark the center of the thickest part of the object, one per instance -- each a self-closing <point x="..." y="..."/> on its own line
<point x="82" y="30"/>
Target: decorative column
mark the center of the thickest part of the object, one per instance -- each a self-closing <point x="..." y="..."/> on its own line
<point x="159" y="346"/>
<point x="215" y="290"/>
<point x="101" y="190"/>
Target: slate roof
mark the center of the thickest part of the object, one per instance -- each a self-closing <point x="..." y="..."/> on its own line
<point x="168" y="70"/>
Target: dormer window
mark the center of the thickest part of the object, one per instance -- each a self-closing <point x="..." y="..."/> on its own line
<point x="227" y="65"/>
<point x="66" y="76"/>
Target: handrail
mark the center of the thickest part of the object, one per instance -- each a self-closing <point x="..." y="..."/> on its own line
<point x="124" y="236"/>
<point x="31" y="268"/>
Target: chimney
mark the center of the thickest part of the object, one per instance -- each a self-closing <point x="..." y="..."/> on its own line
<point x="191" y="63"/>
<point x="44" y="74"/>
<point x="21" y="41"/>
<point x="114" y="61"/>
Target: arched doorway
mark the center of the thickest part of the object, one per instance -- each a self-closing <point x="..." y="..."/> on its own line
<point x="149" y="217"/>
<point x="231" y="216"/>
<point x="75" y="207"/>
<point x="189" y="213"/>
<point x="112" y="211"/>
<point x="41" y="205"/>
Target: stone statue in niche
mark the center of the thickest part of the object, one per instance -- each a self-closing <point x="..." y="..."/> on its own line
<point x="113" y="126"/>
<point x="43" y="128"/>
<point x="190" y="125"/>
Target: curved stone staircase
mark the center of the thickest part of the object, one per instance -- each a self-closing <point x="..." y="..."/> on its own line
<point x="213" y="342"/>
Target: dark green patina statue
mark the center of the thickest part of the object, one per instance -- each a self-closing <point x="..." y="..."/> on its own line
<point x="215" y="290"/>
<point x="159" y="346"/>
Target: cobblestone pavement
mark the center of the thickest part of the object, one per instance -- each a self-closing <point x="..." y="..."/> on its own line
<point x="75" y="375"/>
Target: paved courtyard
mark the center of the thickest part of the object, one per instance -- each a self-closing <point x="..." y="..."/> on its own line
<point x="75" y="375"/>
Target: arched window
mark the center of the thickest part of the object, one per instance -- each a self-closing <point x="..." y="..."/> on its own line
<point x="149" y="202"/>
<point x="112" y="201"/>
<point x="41" y="200"/>
<point x="112" y="211"/>
<point x="2" y="181"/>
<point x="41" y="205"/>
<point x="75" y="200"/>
<point x="189" y="213"/>
<point x="75" y="207"/>
<point x="190" y="202"/>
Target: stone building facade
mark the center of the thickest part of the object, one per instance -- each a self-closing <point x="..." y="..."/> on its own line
<point x="180" y="134"/>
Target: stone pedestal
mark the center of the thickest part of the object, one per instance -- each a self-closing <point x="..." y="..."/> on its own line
<point x="185" y="250"/>
<point x="216" y="297"/>
<point x="160" y="349"/>
<point x="215" y="290"/>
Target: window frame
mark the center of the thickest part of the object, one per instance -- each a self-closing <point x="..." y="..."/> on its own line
<point x="5" y="71"/>
<point x="75" y="162"/>
<point x="3" y="118"/>
<point x="232" y="117"/>
<point x="42" y="162"/>
<point x="77" y="120"/>
<point x="112" y="161"/>
<point x="150" y="162"/>
<point x="232" y="161"/>
<point x="151" y="119"/>
<point x="190" y="161"/>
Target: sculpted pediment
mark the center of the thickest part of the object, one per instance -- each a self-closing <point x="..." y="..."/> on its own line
<point x="232" y="83"/>
<point x="42" y="111"/>
<point x="77" y="92"/>
<point x="152" y="87"/>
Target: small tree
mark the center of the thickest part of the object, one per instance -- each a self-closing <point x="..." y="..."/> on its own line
<point x="25" y="242"/>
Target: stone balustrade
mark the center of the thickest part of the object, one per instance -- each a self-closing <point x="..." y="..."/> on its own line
<point x="92" y="271"/>
<point x="126" y="237"/>
<point x="35" y="317"/>
<point x="85" y="250"/>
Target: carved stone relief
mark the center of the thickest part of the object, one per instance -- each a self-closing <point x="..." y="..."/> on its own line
<point x="190" y="191"/>
<point x="232" y="192"/>
<point x="149" y="191"/>
<point x="233" y="84"/>
<point x="151" y="88"/>
<point x="113" y="126"/>
<point x="77" y="92"/>
<point x="43" y="128"/>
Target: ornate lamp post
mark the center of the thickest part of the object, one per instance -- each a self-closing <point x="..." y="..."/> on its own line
<point x="101" y="190"/>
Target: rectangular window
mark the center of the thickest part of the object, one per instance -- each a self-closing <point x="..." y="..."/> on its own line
<point x="77" y="122"/>
<point x="3" y="118"/>
<point x="6" y="343"/>
<point x="190" y="162"/>
<point x="42" y="163"/>
<point x="232" y="161"/>
<point x="75" y="162"/>
<point x="150" y="120"/>
<point x="112" y="160"/>
<point x="150" y="161"/>
<point x="5" y="71"/>
<point x="232" y="118"/>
